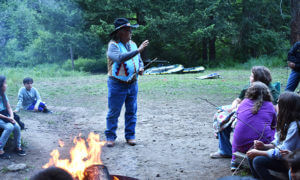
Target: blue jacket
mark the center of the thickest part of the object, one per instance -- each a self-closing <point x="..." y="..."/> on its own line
<point x="291" y="142"/>
<point x="294" y="55"/>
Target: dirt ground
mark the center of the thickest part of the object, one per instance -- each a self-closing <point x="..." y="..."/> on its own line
<point x="174" y="134"/>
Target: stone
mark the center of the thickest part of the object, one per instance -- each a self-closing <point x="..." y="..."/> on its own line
<point x="16" y="167"/>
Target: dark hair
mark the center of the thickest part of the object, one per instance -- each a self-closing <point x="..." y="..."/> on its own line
<point x="262" y="74"/>
<point x="258" y="92"/>
<point x="2" y="94"/>
<point x="2" y="80"/>
<point x="289" y="111"/>
<point x="52" y="173"/>
<point x="115" y="36"/>
<point x="27" y="80"/>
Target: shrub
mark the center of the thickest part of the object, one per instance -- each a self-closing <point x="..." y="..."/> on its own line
<point x="87" y="65"/>
<point x="268" y="61"/>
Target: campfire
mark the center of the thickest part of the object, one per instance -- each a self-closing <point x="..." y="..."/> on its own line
<point x="85" y="162"/>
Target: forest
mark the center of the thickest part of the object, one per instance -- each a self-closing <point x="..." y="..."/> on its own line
<point x="190" y="32"/>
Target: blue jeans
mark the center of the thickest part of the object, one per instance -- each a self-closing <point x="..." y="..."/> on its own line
<point x="293" y="81"/>
<point x="118" y="94"/>
<point x="41" y="106"/>
<point x="260" y="166"/>
<point x="8" y="128"/>
<point x="225" y="147"/>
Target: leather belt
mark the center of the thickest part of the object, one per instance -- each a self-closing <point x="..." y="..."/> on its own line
<point x="124" y="82"/>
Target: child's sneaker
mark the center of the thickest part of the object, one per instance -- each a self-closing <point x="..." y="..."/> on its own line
<point x="5" y="156"/>
<point x="234" y="166"/>
<point x="20" y="152"/>
<point x="47" y="111"/>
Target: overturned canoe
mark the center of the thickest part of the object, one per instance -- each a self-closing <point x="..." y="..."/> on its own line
<point x="176" y="68"/>
<point x="210" y="76"/>
<point x="194" y="69"/>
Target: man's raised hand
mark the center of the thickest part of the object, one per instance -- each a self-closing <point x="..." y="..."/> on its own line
<point x="143" y="46"/>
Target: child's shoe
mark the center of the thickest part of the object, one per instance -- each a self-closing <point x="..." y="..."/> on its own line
<point x="234" y="166"/>
<point x="20" y="152"/>
<point x="5" y="156"/>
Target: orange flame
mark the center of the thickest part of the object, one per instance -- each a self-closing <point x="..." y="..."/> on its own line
<point x="81" y="156"/>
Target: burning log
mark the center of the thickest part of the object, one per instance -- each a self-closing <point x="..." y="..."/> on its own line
<point x="100" y="172"/>
<point x="96" y="172"/>
<point x="85" y="162"/>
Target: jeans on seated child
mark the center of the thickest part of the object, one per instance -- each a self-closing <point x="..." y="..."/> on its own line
<point x="41" y="106"/>
<point x="8" y="128"/>
<point x="225" y="147"/>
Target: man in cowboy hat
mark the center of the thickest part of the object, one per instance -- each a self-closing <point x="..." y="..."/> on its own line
<point x="124" y="66"/>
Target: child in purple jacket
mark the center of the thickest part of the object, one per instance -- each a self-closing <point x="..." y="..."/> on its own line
<point x="256" y="120"/>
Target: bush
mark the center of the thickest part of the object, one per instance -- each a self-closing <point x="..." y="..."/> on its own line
<point x="87" y="65"/>
<point x="273" y="61"/>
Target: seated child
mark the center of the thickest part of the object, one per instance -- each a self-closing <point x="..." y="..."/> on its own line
<point x="258" y="73"/>
<point x="270" y="156"/>
<point x="8" y="123"/>
<point x="256" y="120"/>
<point x="29" y="98"/>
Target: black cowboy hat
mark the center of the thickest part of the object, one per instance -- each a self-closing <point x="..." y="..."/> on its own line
<point x="122" y="22"/>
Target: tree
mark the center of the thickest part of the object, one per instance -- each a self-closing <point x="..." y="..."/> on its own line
<point x="295" y="21"/>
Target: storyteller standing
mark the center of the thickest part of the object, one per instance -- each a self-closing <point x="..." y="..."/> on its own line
<point x="124" y="65"/>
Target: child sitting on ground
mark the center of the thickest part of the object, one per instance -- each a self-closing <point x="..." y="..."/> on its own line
<point x="265" y="157"/>
<point x="256" y="120"/>
<point x="29" y="98"/>
<point x="8" y="123"/>
<point x="258" y="73"/>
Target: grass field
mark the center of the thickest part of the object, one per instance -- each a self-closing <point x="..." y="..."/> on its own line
<point x="174" y="129"/>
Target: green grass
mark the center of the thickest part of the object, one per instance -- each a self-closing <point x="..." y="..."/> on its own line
<point x="56" y="83"/>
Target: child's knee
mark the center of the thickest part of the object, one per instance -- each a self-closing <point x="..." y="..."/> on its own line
<point x="9" y="127"/>
<point x="17" y="127"/>
<point x="258" y="161"/>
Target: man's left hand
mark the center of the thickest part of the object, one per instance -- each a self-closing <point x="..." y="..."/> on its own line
<point x="141" y="71"/>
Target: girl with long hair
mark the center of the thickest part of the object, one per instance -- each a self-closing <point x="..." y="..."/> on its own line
<point x="8" y="123"/>
<point x="224" y="129"/>
<point x="270" y="156"/>
<point x="256" y="119"/>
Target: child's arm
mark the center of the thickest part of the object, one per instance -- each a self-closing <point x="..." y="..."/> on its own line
<point x="10" y="112"/>
<point x="20" y="100"/>
<point x="254" y="152"/>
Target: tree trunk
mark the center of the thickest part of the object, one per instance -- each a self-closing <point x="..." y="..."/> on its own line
<point x="212" y="49"/>
<point x="204" y="50"/>
<point x="72" y="58"/>
<point x="295" y="21"/>
<point x="140" y="18"/>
